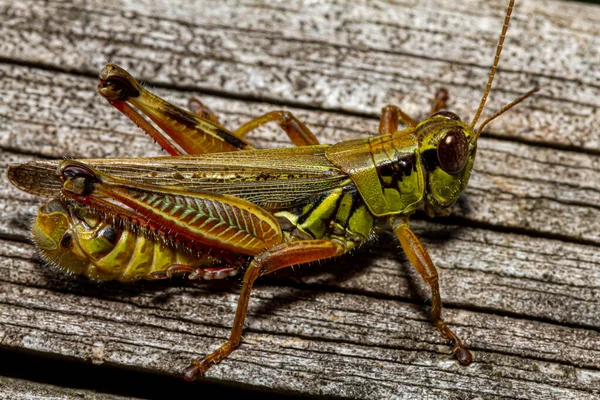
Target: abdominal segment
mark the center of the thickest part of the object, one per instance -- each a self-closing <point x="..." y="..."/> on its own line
<point x="82" y="242"/>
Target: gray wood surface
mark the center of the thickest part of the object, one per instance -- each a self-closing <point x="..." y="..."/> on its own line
<point x="519" y="258"/>
<point x="19" y="389"/>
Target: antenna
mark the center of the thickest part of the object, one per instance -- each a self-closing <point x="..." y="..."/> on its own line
<point x="496" y="59"/>
<point x="505" y="108"/>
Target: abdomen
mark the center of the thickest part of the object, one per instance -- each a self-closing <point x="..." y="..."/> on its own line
<point x="80" y="242"/>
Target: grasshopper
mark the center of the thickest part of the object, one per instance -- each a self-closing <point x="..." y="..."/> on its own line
<point x="216" y="206"/>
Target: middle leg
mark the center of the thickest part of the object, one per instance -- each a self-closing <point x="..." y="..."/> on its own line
<point x="298" y="133"/>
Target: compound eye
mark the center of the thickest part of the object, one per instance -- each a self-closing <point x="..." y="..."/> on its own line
<point x="453" y="151"/>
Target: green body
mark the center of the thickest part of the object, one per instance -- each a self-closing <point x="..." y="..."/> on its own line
<point x="341" y="193"/>
<point x="217" y="205"/>
<point x="225" y="202"/>
<point x="82" y="242"/>
<point x="391" y="175"/>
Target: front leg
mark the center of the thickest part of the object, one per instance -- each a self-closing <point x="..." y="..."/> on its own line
<point x="391" y="115"/>
<point x="421" y="261"/>
<point x="439" y="101"/>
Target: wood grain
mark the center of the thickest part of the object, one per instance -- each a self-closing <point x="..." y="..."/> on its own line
<point x="19" y="389"/>
<point x="519" y="256"/>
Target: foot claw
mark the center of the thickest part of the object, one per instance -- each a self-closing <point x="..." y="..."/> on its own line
<point x="191" y="373"/>
<point x="463" y="355"/>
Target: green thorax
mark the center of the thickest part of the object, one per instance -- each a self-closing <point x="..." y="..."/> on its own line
<point x="339" y="215"/>
<point x="385" y="169"/>
<point x="387" y="179"/>
<point x="427" y="166"/>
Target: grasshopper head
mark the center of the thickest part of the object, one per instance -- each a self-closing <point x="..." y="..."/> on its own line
<point x="448" y="146"/>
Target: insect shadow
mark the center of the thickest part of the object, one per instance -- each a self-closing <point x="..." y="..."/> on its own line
<point x="305" y="282"/>
<point x="345" y="274"/>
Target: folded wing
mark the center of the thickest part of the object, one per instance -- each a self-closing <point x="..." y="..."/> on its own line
<point x="272" y="179"/>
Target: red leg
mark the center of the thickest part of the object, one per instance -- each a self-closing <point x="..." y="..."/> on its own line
<point x="270" y="260"/>
<point x="199" y="219"/>
<point x="190" y="133"/>
<point x="421" y="261"/>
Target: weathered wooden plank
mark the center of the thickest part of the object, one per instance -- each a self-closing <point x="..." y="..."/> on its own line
<point x="482" y="270"/>
<point x="515" y="185"/>
<point x="310" y="340"/>
<point x="337" y="57"/>
<point x="357" y="327"/>
<point x="501" y="271"/>
<point x="19" y="389"/>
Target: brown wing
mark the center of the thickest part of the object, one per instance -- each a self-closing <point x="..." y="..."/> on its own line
<point x="273" y="178"/>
